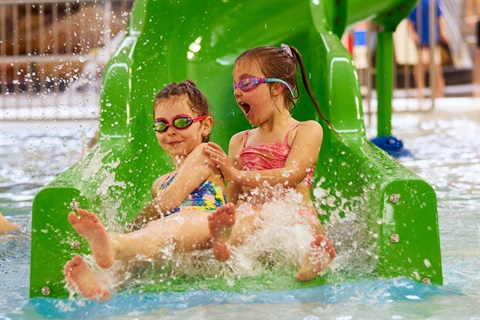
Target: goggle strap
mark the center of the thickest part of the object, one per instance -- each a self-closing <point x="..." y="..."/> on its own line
<point x="289" y="86"/>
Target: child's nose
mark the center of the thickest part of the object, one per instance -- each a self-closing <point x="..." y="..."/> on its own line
<point x="237" y="92"/>
<point x="172" y="130"/>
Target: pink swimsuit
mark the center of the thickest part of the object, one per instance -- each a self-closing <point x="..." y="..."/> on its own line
<point x="268" y="156"/>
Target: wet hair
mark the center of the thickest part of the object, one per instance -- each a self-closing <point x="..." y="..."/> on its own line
<point x="281" y="63"/>
<point x="196" y="99"/>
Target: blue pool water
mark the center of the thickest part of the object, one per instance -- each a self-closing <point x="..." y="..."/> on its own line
<point x="445" y="145"/>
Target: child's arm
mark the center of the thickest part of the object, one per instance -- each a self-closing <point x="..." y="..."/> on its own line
<point x="303" y="156"/>
<point x="196" y="168"/>
<point x="235" y="147"/>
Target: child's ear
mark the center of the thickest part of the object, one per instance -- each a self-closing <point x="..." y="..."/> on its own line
<point x="207" y="126"/>
<point x="277" y="88"/>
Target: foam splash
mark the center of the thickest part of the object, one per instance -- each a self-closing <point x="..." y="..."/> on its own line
<point x="279" y="246"/>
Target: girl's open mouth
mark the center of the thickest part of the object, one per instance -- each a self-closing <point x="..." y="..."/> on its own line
<point x="245" y="107"/>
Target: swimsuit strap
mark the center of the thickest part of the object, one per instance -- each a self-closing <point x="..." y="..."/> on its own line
<point x="285" y="140"/>
<point x="244" y="138"/>
<point x="168" y="178"/>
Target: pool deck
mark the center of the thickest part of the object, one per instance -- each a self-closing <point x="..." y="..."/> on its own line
<point x="440" y="107"/>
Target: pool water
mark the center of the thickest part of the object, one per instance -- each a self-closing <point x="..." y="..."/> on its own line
<point x="445" y="144"/>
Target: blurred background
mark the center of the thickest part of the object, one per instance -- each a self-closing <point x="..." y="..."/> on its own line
<point x="52" y="55"/>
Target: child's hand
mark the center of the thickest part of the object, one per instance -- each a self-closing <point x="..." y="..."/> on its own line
<point x="217" y="155"/>
<point x="220" y="159"/>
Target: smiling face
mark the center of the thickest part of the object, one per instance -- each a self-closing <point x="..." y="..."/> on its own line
<point x="257" y="104"/>
<point x="179" y="142"/>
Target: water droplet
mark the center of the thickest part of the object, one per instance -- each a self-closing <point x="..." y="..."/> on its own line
<point x="427" y="263"/>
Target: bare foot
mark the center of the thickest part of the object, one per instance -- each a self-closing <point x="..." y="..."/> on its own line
<point x="91" y="229"/>
<point x="83" y="281"/>
<point x="220" y="223"/>
<point x="319" y="256"/>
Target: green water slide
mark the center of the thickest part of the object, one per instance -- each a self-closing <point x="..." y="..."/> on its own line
<point x="199" y="40"/>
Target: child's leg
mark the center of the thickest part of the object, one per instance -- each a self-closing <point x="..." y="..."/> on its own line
<point x="319" y="256"/>
<point x="188" y="229"/>
<point x="82" y="280"/>
<point x="231" y="225"/>
<point x="310" y="216"/>
<point x="321" y="251"/>
<point x="247" y="221"/>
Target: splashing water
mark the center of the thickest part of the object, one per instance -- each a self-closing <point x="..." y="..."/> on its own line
<point x="98" y="178"/>
<point x="279" y="246"/>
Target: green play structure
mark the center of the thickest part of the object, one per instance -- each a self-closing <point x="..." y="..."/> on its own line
<point x="170" y="41"/>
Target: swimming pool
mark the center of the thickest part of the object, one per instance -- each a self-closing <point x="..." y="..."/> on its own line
<point x="445" y="145"/>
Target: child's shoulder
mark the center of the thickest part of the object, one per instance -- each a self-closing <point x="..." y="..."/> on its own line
<point x="238" y="136"/>
<point x="197" y="153"/>
<point x="198" y="149"/>
<point x="309" y="125"/>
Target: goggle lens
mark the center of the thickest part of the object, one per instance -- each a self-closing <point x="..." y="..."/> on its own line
<point x="247" y="84"/>
<point x="182" y="122"/>
<point x="160" y="126"/>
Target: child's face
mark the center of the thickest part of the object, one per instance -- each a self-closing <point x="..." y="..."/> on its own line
<point x="178" y="142"/>
<point x="257" y="104"/>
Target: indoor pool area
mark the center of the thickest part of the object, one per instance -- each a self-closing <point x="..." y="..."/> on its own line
<point x="351" y="187"/>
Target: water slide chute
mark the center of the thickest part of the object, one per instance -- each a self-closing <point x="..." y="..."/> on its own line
<point x="199" y="40"/>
